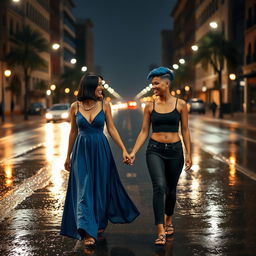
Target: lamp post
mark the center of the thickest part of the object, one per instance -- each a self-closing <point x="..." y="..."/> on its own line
<point x="6" y="74"/>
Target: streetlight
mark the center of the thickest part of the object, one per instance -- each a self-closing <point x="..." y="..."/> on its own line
<point x="204" y="89"/>
<point x="67" y="90"/>
<point x="55" y="46"/>
<point x="182" y="61"/>
<point x="194" y="47"/>
<point x="53" y="87"/>
<point x="7" y="74"/>
<point x="84" y="68"/>
<point x="213" y="24"/>
<point x="187" y="88"/>
<point x="232" y="77"/>
<point x="73" y="61"/>
<point x="16" y="1"/>
<point x="175" y="66"/>
<point x="76" y="92"/>
<point x="106" y="86"/>
<point x="173" y="93"/>
<point x="48" y="92"/>
<point x="178" y="92"/>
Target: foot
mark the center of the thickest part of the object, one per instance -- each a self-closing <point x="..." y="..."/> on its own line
<point x="169" y="230"/>
<point x="161" y="239"/>
<point x="89" y="242"/>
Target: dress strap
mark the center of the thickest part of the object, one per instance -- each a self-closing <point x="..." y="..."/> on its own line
<point x="153" y="104"/>
<point x="102" y="104"/>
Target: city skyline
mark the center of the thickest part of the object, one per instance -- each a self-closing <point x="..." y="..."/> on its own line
<point x="127" y="39"/>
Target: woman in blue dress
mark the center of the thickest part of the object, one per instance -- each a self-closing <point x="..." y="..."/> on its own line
<point x="95" y="194"/>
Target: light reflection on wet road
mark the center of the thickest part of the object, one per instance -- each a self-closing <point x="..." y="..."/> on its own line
<point x="215" y="213"/>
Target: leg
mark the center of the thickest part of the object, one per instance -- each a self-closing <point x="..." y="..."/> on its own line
<point x="172" y="173"/>
<point x="156" y="169"/>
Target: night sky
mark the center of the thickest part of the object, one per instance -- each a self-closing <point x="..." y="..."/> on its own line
<point x="127" y="38"/>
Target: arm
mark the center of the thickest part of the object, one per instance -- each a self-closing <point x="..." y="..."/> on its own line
<point x="72" y="134"/>
<point x="143" y="133"/>
<point x="186" y="134"/>
<point x="113" y="131"/>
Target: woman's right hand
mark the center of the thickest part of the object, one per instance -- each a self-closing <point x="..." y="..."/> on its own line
<point x="132" y="157"/>
<point x="67" y="164"/>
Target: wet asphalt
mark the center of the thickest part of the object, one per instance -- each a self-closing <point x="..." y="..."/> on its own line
<point x="215" y="210"/>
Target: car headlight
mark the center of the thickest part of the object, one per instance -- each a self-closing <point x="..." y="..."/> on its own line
<point x="48" y="116"/>
<point x="64" y="115"/>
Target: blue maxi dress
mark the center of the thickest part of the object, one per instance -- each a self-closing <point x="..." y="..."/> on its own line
<point x="95" y="194"/>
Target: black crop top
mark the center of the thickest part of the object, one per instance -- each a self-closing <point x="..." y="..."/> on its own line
<point x="165" y="122"/>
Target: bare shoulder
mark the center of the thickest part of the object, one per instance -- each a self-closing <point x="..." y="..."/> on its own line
<point x="149" y="106"/>
<point x="73" y="106"/>
<point x="181" y="104"/>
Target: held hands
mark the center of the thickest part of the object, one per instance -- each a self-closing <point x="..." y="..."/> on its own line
<point x="128" y="158"/>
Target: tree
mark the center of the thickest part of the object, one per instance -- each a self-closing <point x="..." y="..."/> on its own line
<point x="214" y="50"/>
<point x="26" y="54"/>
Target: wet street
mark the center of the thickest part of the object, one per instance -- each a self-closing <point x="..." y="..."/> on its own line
<point x="215" y="210"/>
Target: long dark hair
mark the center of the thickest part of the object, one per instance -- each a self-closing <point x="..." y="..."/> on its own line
<point x="87" y="87"/>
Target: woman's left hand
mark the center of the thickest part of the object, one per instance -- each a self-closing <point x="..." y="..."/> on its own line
<point x="126" y="158"/>
<point x="188" y="162"/>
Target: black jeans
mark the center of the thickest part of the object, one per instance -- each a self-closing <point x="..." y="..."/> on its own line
<point x="165" y="162"/>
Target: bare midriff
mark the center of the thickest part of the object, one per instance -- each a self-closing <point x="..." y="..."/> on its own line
<point x="165" y="137"/>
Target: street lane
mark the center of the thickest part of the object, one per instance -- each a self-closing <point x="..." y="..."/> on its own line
<point x="214" y="214"/>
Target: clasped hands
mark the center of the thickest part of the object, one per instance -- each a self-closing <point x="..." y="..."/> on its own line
<point x="128" y="158"/>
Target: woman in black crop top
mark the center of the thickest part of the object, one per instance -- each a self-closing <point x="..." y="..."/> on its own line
<point x="165" y="158"/>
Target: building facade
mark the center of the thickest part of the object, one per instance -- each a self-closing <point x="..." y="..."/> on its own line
<point x="249" y="70"/>
<point x="13" y="17"/>
<point x="229" y="17"/>
<point x="183" y="15"/>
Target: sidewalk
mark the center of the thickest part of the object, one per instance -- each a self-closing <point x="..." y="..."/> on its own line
<point x="239" y="119"/>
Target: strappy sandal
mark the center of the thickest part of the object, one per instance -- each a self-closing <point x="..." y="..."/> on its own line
<point x="89" y="242"/>
<point x="161" y="240"/>
<point x="169" y="230"/>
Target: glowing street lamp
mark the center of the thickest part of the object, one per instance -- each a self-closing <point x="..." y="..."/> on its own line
<point x="67" y="90"/>
<point x="48" y="92"/>
<point x="84" y="68"/>
<point x="232" y="77"/>
<point x="194" y="47"/>
<point x="178" y="92"/>
<point x="106" y="86"/>
<point x="182" y="61"/>
<point x="73" y="61"/>
<point x="53" y="87"/>
<point x="175" y="66"/>
<point x="55" y="46"/>
<point x="213" y="24"/>
<point x="76" y="92"/>
<point x="16" y="1"/>
<point x="7" y="73"/>
<point x="173" y="93"/>
<point x="187" y="88"/>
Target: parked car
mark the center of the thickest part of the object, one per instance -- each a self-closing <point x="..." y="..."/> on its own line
<point x="37" y="108"/>
<point x="196" y="105"/>
<point x="58" y="112"/>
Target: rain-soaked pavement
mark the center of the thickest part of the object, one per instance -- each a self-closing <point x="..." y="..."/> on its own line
<point x="215" y="213"/>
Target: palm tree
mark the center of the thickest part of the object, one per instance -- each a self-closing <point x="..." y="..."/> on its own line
<point x="214" y="50"/>
<point x="26" y="54"/>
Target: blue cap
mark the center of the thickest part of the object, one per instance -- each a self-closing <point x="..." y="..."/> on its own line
<point x="160" y="72"/>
